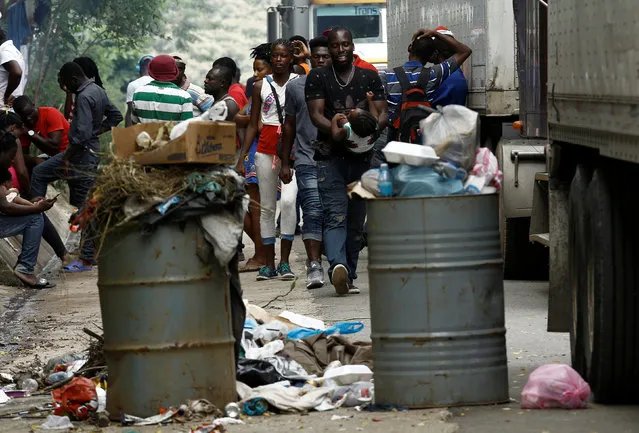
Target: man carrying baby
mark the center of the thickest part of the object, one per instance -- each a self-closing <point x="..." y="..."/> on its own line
<point x="344" y="149"/>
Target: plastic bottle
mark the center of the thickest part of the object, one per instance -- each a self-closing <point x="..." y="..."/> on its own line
<point x="58" y="377"/>
<point x="255" y="407"/>
<point x="385" y="181"/>
<point x="29" y="385"/>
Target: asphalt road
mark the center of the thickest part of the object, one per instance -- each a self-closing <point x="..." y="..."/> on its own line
<point x="48" y="323"/>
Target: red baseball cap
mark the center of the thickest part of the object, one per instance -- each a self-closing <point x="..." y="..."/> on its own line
<point x="163" y="68"/>
<point x="326" y="32"/>
<point x="444" y="31"/>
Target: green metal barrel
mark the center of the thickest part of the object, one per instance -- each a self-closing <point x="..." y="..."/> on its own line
<point x="437" y="301"/>
<point x="167" y="321"/>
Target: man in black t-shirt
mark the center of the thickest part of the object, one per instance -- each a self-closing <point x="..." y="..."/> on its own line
<point x="331" y="91"/>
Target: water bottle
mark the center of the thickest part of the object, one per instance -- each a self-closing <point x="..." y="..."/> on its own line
<point x="385" y="182"/>
<point x="255" y="407"/>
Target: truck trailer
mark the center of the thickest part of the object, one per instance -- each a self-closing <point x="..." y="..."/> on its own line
<point x="494" y="73"/>
<point x="556" y="85"/>
<point x="309" y="18"/>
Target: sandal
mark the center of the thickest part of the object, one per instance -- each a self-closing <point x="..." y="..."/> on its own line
<point x="76" y="266"/>
<point x="41" y="283"/>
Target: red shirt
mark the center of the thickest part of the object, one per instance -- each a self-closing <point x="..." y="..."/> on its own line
<point x="361" y="63"/>
<point x="50" y="120"/>
<point x="238" y="92"/>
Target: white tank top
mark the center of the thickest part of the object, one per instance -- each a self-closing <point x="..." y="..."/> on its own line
<point x="269" y="107"/>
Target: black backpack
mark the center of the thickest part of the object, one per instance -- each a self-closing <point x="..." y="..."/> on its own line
<point x="413" y="108"/>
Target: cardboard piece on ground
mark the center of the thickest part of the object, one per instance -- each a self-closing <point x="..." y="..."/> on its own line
<point x="203" y="142"/>
<point x="303" y="321"/>
<point x="262" y="316"/>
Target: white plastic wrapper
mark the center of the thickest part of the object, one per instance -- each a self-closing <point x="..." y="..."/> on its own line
<point x="453" y="132"/>
<point x="485" y="173"/>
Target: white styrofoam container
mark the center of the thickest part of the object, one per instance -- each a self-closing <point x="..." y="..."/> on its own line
<point x="407" y="153"/>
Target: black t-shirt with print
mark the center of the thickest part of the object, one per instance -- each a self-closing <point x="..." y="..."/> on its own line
<point x="321" y="84"/>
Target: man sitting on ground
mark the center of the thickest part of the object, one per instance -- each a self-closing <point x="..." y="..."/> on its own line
<point x="20" y="217"/>
<point x="45" y="127"/>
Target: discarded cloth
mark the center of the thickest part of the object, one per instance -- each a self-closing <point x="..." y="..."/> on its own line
<point x="289" y="399"/>
<point x="316" y="352"/>
<point x="255" y="372"/>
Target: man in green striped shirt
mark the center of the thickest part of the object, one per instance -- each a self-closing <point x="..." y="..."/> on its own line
<point x="161" y="100"/>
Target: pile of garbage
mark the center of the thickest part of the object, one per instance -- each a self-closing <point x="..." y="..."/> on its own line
<point x="294" y="363"/>
<point x="449" y="161"/>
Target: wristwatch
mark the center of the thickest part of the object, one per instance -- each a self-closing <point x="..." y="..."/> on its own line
<point x="31" y="132"/>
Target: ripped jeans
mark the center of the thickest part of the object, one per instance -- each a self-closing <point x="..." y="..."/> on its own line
<point x="343" y="218"/>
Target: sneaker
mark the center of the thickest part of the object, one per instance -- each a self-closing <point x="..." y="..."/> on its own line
<point x="340" y="280"/>
<point x="266" y="273"/>
<point x="314" y="276"/>
<point x="284" y="269"/>
<point x="352" y="290"/>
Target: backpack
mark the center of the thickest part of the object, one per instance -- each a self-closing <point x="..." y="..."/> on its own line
<point x="414" y="106"/>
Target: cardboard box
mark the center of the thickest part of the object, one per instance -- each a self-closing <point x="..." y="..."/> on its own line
<point x="203" y="143"/>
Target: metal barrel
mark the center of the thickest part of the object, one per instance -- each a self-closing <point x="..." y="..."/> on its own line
<point x="437" y="301"/>
<point x="167" y="320"/>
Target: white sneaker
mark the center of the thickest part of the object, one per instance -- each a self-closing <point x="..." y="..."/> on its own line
<point x="352" y="290"/>
<point x="340" y="279"/>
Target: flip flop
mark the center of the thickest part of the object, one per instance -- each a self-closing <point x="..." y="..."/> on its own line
<point x="76" y="266"/>
<point x="41" y="284"/>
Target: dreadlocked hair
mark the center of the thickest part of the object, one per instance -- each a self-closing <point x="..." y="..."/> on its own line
<point x="364" y="124"/>
<point x="262" y="52"/>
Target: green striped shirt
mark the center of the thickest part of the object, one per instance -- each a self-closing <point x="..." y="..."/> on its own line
<point x="160" y="102"/>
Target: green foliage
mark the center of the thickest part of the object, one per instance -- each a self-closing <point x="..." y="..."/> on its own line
<point x="112" y="32"/>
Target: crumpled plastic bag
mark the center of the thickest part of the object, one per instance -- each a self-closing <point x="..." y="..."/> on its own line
<point x="78" y="399"/>
<point x="215" y="113"/>
<point x="555" y="386"/>
<point x="370" y="180"/>
<point x="409" y="181"/>
<point x="55" y="422"/>
<point x="485" y="172"/>
<point x="453" y="132"/>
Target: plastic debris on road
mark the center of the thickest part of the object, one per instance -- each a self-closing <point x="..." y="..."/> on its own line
<point x="347" y="374"/>
<point x="4" y="397"/>
<point x="342" y="328"/>
<point x="553" y="386"/>
<point x="152" y="420"/>
<point x="55" y="422"/>
<point x="341" y="417"/>
<point x="78" y="399"/>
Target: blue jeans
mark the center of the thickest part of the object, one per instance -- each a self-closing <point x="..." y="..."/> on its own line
<point x="343" y="218"/>
<point x="308" y="194"/>
<point x="30" y="227"/>
<point x="81" y="174"/>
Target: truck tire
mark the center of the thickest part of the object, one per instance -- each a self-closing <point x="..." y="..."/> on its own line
<point x="577" y="246"/>
<point x="601" y="347"/>
<point x="523" y="260"/>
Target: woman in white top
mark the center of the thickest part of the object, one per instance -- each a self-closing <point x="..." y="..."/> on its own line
<point x="268" y="94"/>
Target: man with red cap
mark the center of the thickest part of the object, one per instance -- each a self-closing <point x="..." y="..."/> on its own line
<point x="161" y="100"/>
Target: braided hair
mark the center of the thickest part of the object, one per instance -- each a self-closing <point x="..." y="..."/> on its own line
<point x="262" y="52"/>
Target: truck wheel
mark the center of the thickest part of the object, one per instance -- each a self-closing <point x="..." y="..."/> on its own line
<point x="600" y="339"/>
<point x="577" y="247"/>
<point x="523" y="260"/>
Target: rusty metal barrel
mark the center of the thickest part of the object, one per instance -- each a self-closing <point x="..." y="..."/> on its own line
<point x="166" y="315"/>
<point x="437" y="301"/>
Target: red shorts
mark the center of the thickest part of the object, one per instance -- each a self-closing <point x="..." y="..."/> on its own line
<point x="268" y="140"/>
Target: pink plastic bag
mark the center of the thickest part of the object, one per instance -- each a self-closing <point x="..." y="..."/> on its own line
<point x="555" y="386"/>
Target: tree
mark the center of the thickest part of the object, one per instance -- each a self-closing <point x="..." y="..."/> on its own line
<point x="107" y="30"/>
